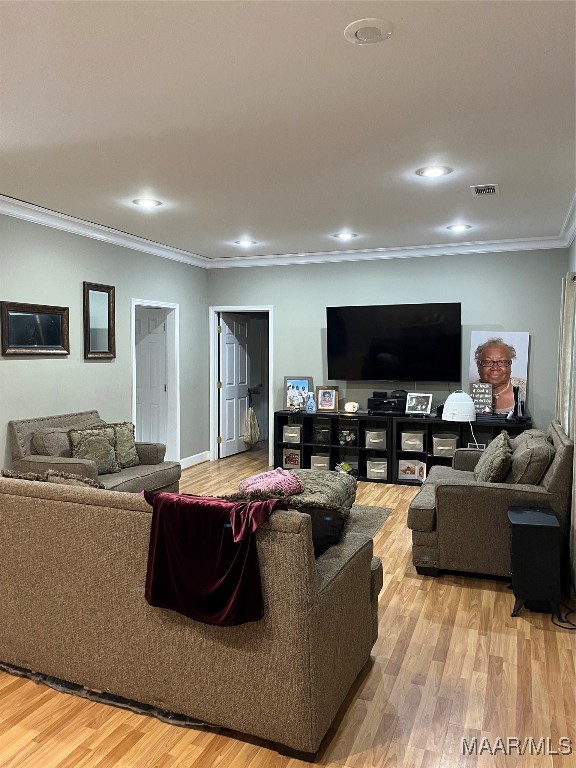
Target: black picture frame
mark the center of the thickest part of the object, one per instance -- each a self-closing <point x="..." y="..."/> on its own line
<point x="99" y="321"/>
<point x="34" y="329"/>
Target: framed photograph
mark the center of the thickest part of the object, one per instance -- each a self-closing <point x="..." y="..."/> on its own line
<point x="418" y="403"/>
<point x="326" y="398"/>
<point x="34" y="329"/>
<point x="297" y="391"/>
<point x="291" y="458"/>
<point x="480" y="446"/>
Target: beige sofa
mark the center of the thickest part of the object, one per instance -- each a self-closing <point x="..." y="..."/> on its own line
<point x="72" y="605"/>
<point x="459" y="523"/>
<point x="152" y="474"/>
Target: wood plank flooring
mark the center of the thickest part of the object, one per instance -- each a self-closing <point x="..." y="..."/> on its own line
<point x="450" y="663"/>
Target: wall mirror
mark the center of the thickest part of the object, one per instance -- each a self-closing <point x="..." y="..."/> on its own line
<point x="99" y="322"/>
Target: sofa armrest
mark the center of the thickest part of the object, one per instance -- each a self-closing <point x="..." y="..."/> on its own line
<point x="336" y="559"/>
<point x="151" y="453"/>
<point x="466" y="458"/>
<point x="39" y="464"/>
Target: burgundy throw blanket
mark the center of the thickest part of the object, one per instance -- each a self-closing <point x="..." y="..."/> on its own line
<point x="202" y="559"/>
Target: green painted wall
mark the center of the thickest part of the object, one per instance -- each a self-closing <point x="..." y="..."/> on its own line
<point x="508" y="291"/>
<point x="40" y="265"/>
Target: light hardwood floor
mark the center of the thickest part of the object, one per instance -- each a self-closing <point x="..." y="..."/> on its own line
<point x="449" y="663"/>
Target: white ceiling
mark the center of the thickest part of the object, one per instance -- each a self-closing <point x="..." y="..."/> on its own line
<point x="257" y="118"/>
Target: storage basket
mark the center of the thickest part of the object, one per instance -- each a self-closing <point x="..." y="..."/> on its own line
<point x="376" y="439"/>
<point x="320" y="461"/>
<point x="291" y="433"/>
<point x="377" y="470"/>
<point x="412" y="441"/>
<point x="444" y="444"/>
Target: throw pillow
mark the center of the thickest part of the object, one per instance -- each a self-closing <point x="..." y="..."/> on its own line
<point x="125" y="445"/>
<point x="51" y="441"/>
<point x="523" y="437"/>
<point x="530" y="460"/>
<point x="495" y="468"/>
<point x="67" y="478"/>
<point x="96" y="444"/>
<point x="494" y="446"/>
<point x="23" y="475"/>
<point x="326" y="528"/>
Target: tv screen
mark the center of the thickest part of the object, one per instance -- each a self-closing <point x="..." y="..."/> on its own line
<point x="395" y="342"/>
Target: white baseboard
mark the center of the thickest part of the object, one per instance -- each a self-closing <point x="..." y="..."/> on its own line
<point x="198" y="458"/>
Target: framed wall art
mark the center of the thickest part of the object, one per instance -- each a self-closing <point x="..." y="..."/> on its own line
<point x="326" y="398"/>
<point x="34" y="329"/>
<point x="99" y="322"/>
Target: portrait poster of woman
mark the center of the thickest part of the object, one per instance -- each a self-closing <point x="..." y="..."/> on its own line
<point x="500" y="358"/>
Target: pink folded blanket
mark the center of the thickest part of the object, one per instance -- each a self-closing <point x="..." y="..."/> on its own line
<point x="279" y="480"/>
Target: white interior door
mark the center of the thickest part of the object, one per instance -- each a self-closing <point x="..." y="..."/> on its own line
<point x="151" y="389"/>
<point x="234" y="378"/>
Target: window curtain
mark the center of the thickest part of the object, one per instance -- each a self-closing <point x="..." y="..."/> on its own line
<point x="566" y="390"/>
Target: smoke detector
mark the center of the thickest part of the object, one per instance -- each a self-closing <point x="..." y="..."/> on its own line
<point x="485" y="190"/>
<point x="368" y="31"/>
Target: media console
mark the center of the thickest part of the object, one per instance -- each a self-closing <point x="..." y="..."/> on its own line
<point x="380" y="447"/>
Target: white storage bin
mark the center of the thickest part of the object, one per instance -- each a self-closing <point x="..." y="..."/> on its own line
<point x="320" y="462"/>
<point x="377" y="470"/>
<point x="376" y="439"/>
<point x="444" y="444"/>
<point x="291" y="433"/>
<point x="412" y="441"/>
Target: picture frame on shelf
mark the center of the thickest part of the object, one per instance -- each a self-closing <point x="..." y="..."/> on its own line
<point x="418" y="403"/>
<point x="297" y="392"/>
<point x="291" y="458"/>
<point x="34" y="329"/>
<point x="327" y="399"/>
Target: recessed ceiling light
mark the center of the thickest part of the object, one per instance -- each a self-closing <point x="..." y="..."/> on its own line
<point x="459" y="227"/>
<point x="245" y="243"/>
<point x="433" y="171"/>
<point x="147" y="202"/>
<point x="368" y="31"/>
<point x="344" y="235"/>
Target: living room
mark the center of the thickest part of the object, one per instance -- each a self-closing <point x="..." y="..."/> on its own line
<point x="507" y="278"/>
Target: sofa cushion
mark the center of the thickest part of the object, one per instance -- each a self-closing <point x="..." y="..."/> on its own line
<point x="145" y="477"/>
<point x="530" y="460"/>
<point x="96" y="444"/>
<point x="495" y="460"/>
<point x="495" y="469"/>
<point x="125" y="446"/>
<point x="52" y="441"/>
<point x="68" y="478"/>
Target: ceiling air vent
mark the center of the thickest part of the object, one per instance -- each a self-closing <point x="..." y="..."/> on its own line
<point x="479" y="190"/>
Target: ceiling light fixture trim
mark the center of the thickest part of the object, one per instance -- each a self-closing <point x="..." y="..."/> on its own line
<point x="458" y="227"/>
<point x="147" y="202"/>
<point x="245" y="242"/>
<point x="434" y="171"/>
<point x="344" y="235"/>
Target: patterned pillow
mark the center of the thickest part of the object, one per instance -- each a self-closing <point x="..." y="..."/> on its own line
<point x="495" y="468"/>
<point x="125" y="446"/>
<point x="493" y="447"/>
<point x="67" y="478"/>
<point x="51" y="441"/>
<point x="96" y="444"/>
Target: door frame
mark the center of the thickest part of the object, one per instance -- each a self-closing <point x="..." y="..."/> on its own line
<point x="172" y="370"/>
<point x="213" y="313"/>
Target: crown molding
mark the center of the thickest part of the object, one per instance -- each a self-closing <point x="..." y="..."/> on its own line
<point x="45" y="217"/>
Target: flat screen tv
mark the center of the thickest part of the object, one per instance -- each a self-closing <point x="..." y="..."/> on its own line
<point x="395" y="342"/>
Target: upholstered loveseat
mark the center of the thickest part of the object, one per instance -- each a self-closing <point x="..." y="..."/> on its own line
<point x="72" y="602"/>
<point x="460" y="522"/>
<point x="42" y="444"/>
